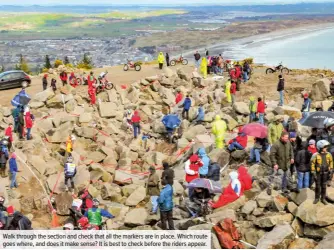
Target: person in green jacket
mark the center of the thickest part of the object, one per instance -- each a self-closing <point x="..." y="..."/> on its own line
<point x="95" y="214"/>
<point x="252" y="109"/>
<point x="275" y="130"/>
<point x="219" y="128"/>
<point x="15" y="114"/>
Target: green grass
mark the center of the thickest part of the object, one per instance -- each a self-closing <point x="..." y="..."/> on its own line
<point x="139" y="15"/>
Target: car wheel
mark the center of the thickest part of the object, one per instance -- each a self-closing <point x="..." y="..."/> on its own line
<point x="25" y="83"/>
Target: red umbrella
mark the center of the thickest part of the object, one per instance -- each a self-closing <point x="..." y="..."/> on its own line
<point x="256" y="130"/>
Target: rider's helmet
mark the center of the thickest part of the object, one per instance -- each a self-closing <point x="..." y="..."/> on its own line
<point x="321" y="144"/>
<point x="328" y="122"/>
<point x="4" y="142"/>
<point x="83" y="221"/>
<point x="70" y="159"/>
<point x="68" y="226"/>
<point x="96" y="202"/>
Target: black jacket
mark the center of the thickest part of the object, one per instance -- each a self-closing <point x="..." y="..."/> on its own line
<point x="280" y="85"/>
<point x="45" y="81"/>
<point x="331" y="108"/>
<point x="331" y="89"/>
<point x="303" y="160"/>
<point x="214" y="171"/>
<point x="168" y="175"/>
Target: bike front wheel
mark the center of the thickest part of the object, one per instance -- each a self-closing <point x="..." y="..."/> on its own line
<point x="109" y="85"/>
<point x="285" y="71"/>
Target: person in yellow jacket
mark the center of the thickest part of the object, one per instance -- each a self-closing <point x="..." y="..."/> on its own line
<point x="275" y="130"/>
<point x="219" y="128"/>
<point x="321" y="169"/>
<point x="161" y="60"/>
<point x="228" y="91"/>
<point x="252" y="109"/>
<point x="204" y="67"/>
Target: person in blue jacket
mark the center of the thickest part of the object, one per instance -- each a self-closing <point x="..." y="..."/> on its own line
<point x="13" y="171"/>
<point x="95" y="214"/>
<point x="165" y="202"/>
<point x="200" y="116"/>
<point x="186" y="107"/>
<point x="203" y="171"/>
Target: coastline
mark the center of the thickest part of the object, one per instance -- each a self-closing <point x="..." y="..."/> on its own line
<point x="259" y="40"/>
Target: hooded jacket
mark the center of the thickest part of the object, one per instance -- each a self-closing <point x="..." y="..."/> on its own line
<point x="252" y="106"/>
<point x="303" y="159"/>
<point x="161" y="58"/>
<point x="9" y="133"/>
<point x="261" y="107"/>
<point x="206" y="161"/>
<point x="242" y="139"/>
<point x="28" y="120"/>
<point x="204" y="67"/>
<point x="219" y="127"/>
<point x="275" y="131"/>
<point x="153" y="184"/>
<point x="168" y="175"/>
<point x="187" y="103"/>
<point x="165" y="199"/>
<point x="135" y="118"/>
<point x="280" y="85"/>
<point x="178" y="97"/>
<point x="201" y="114"/>
<point x="245" y="178"/>
<point x="281" y="154"/>
<point x="192" y="168"/>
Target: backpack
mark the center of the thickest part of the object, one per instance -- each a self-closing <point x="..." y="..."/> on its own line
<point x="228" y="235"/>
<point x="214" y="171"/>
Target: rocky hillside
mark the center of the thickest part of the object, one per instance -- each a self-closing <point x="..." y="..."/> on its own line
<point x="114" y="166"/>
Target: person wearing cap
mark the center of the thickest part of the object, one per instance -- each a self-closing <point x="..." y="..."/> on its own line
<point x="307" y="105"/>
<point x="282" y="156"/>
<point x="153" y="189"/>
<point x="321" y="168"/>
<point x="167" y="174"/>
<point x="280" y="89"/>
<point x="13" y="171"/>
<point x="238" y="143"/>
<point x="312" y="147"/>
<point x="303" y="167"/>
<point x="275" y="130"/>
<point x="70" y="171"/>
<point x="261" y="110"/>
<point x="45" y="81"/>
<point x="166" y="205"/>
<point x="95" y="214"/>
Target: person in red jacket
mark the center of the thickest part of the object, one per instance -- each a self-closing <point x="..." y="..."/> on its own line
<point x="29" y="124"/>
<point x="233" y="73"/>
<point x="311" y="147"/>
<point x="261" y="109"/>
<point x="245" y="178"/>
<point x="63" y="77"/>
<point x="9" y="134"/>
<point x="135" y="119"/>
<point x="192" y="168"/>
<point x="91" y="88"/>
<point x="178" y="97"/>
<point x="233" y="90"/>
<point x="238" y="75"/>
<point x="238" y="143"/>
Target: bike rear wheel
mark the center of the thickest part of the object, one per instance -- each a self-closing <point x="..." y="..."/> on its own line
<point x="285" y="71"/>
<point x="172" y="63"/>
<point x="137" y="67"/>
<point x="109" y="86"/>
<point x="126" y="67"/>
<point x="184" y="61"/>
<point x="269" y="71"/>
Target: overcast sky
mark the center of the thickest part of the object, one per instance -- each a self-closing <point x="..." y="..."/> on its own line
<point x="156" y="2"/>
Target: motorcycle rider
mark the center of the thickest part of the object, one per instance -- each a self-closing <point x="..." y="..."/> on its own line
<point x="95" y="214"/>
<point x="70" y="171"/>
<point x="327" y="134"/>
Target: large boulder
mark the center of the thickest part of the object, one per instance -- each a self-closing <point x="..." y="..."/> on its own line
<point x="44" y="95"/>
<point x="249" y="207"/>
<point x="320" y="90"/>
<point x="303" y="243"/>
<point x="327" y="242"/>
<point x="55" y="102"/>
<point x="269" y="221"/>
<point x="316" y="232"/>
<point x="290" y="111"/>
<point x="193" y="132"/>
<point x="221" y="215"/>
<point x="108" y="109"/>
<point x="38" y="164"/>
<point x="303" y="195"/>
<point x="136" y="217"/>
<point x="137" y="196"/>
<point x="241" y="108"/>
<point x="63" y="203"/>
<point x="36" y="105"/>
<point x="278" y="238"/>
<point x="318" y="214"/>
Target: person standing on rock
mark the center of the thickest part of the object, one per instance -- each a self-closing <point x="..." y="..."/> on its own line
<point x="9" y="134"/>
<point x="92" y="88"/>
<point x="233" y="91"/>
<point x="197" y="57"/>
<point x="204" y="67"/>
<point x="135" y="120"/>
<point x="63" y="77"/>
<point x="95" y="214"/>
<point x="45" y="82"/>
<point x="153" y="189"/>
<point x="280" y="89"/>
<point x="178" y="97"/>
<point x="275" y="130"/>
<point x="161" y="60"/>
<point x="245" y="71"/>
<point x="321" y="168"/>
<point x="166" y="205"/>
<point x="167" y="174"/>
<point x="303" y="167"/>
<point x="20" y="126"/>
<point x="200" y="115"/>
<point x="167" y="59"/>
<point x="219" y="128"/>
<point x="327" y="134"/>
<point x="13" y="171"/>
<point x="282" y="156"/>
<point x="261" y="110"/>
<point x="306" y="105"/>
<point x="4" y="155"/>
<point x="54" y="84"/>
<point x="186" y="107"/>
<point x="28" y="123"/>
<point x="252" y="109"/>
<point x="228" y="91"/>
<point x="70" y="171"/>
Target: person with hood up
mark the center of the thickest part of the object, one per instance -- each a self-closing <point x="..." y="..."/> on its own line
<point x="231" y="193"/>
<point x="303" y="167"/>
<point x="192" y="167"/>
<point x="280" y="89"/>
<point x="307" y="105"/>
<point x="252" y="109"/>
<point x="204" y="67"/>
<point x="275" y="130"/>
<point x="331" y="87"/>
<point x="178" y="97"/>
<point x="228" y="91"/>
<point x="186" y="106"/>
<point x="167" y="174"/>
<point x="153" y="189"/>
<point x="13" y="171"/>
<point x="161" y="60"/>
<point x="311" y="147"/>
<point x="136" y="124"/>
<point x="166" y="205"/>
<point x="197" y="57"/>
<point x="200" y="115"/>
<point x="238" y="143"/>
<point x="321" y="169"/>
<point x="219" y="128"/>
<point x="203" y="171"/>
<point x="45" y="81"/>
<point x="167" y="59"/>
<point x="261" y="110"/>
<point x="4" y="155"/>
<point x="245" y="178"/>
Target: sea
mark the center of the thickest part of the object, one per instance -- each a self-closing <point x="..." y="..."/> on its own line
<point x="314" y="49"/>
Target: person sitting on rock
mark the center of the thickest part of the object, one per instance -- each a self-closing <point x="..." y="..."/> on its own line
<point x="203" y="171"/>
<point x="193" y="204"/>
<point x="70" y="171"/>
<point x="16" y="220"/>
<point x="200" y="115"/>
<point x="95" y="214"/>
<point x="192" y="168"/>
<point x="238" y="143"/>
<point x="260" y="145"/>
